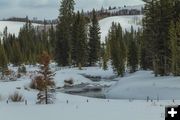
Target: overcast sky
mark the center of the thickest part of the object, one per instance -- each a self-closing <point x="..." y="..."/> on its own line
<point x="49" y="8"/>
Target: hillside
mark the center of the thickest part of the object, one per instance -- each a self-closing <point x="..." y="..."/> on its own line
<point x="13" y="27"/>
<point x="125" y="21"/>
<point x="105" y="24"/>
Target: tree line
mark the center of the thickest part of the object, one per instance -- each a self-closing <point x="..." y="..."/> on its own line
<point x="76" y="41"/>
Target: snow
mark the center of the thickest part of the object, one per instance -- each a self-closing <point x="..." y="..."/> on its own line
<point x="125" y="21"/>
<point x="77" y="75"/>
<point x="13" y="27"/>
<point x="79" y="109"/>
<point x="137" y="85"/>
<point x="142" y="84"/>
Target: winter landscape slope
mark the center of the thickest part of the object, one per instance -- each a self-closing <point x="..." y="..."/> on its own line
<point x="125" y="21"/>
<point x="13" y="27"/>
<point x="105" y="24"/>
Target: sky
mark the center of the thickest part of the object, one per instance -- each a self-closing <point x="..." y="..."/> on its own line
<point x="48" y="9"/>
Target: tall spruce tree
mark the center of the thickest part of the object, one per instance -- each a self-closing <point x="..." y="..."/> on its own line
<point x="3" y="59"/>
<point x="52" y="38"/>
<point x="133" y="56"/>
<point x="79" y="40"/>
<point x="94" y="40"/>
<point x="174" y="33"/>
<point x="47" y="77"/>
<point x="104" y="52"/>
<point x="117" y="49"/>
<point x="158" y="14"/>
<point x="63" y="49"/>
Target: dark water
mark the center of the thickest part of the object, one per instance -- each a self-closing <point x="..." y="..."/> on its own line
<point x="82" y="91"/>
<point x="94" y="90"/>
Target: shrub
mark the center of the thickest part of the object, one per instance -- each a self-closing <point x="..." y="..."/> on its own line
<point x="40" y="84"/>
<point x="70" y="81"/>
<point x="7" y="72"/>
<point x="16" y="97"/>
<point x="22" y="69"/>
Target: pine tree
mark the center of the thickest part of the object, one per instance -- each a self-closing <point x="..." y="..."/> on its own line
<point x="64" y="33"/>
<point x="47" y="77"/>
<point x="79" y="52"/>
<point x="3" y="59"/>
<point x="158" y="14"/>
<point x="175" y="47"/>
<point x="16" y="57"/>
<point x="173" y="39"/>
<point x="133" y="56"/>
<point x="104" y="56"/>
<point x="52" y="38"/>
<point x="117" y="49"/>
<point x="94" y="40"/>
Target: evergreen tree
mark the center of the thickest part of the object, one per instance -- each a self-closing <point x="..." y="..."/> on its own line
<point x="3" y="59"/>
<point x="79" y="52"/>
<point x="47" y="77"/>
<point x="94" y="40"/>
<point x="133" y="53"/>
<point x="158" y="14"/>
<point x="104" y="56"/>
<point x="52" y="38"/>
<point x="64" y="33"/>
<point x="117" y="49"/>
<point x="174" y="33"/>
<point x="16" y="57"/>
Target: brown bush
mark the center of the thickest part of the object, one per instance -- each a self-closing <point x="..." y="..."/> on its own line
<point x="7" y="72"/>
<point x="16" y="97"/>
<point x="40" y="84"/>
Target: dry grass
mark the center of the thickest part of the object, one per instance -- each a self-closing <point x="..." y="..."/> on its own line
<point x="16" y="97"/>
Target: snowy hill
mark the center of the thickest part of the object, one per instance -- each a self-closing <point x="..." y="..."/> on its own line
<point x="125" y="21"/>
<point x="13" y="27"/>
<point x="135" y="7"/>
<point x="105" y="24"/>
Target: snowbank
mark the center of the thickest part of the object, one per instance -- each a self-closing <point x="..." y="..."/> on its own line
<point x="142" y="84"/>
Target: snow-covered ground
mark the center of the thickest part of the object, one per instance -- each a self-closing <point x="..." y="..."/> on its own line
<point x="79" y="109"/>
<point x="143" y="84"/>
<point x="125" y="21"/>
<point x="13" y="27"/>
<point x="135" y="86"/>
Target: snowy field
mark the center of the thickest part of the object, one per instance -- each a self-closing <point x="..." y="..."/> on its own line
<point x="133" y="86"/>
<point x="143" y="84"/>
